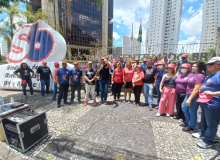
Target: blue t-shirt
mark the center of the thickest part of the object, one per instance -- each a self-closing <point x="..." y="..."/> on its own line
<point x="76" y="75"/>
<point x="113" y="69"/>
<point x="63" y="76"/>
<point x="160" y="75"/>
<point x="144" y="65"/>
<point x="123" y="63"/>
<point x="180" y="62"/>
<point x="211" y="83"/>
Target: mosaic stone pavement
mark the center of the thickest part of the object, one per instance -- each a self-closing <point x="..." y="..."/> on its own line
<point x="114" y="131"/>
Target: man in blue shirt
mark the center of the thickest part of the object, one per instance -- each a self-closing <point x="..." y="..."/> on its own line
<point x="181" y="61"/>
<point x="144" y="64"/>
<point x="75" y="81"/>
<point x="122" y="62"/>
<point x="63" y="76"/>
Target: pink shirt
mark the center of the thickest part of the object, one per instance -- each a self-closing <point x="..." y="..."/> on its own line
<point x="128" y="74"/>
<point x="138" y="75"/>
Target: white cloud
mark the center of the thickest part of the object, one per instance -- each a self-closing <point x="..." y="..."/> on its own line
<point x="190" y="45"/>
<point x="190" y="40"/>
<point x="118" y="26"/>
<point x="190" y="10"/>
<point x="193" y="26"/>
<point x="116" y="36"/>
<point x="191" y="1"/>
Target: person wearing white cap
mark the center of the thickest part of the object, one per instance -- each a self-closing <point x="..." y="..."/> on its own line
<point x="75" y="82"/>
<point x="209" y="99"/>
<point x="45" y="74"/>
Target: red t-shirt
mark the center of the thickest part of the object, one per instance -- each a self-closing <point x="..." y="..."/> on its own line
<point x="128" y="73"/>
<point x="138" y="75"/>
<point x="55" y="72"/>
<point x="118" y="78"/>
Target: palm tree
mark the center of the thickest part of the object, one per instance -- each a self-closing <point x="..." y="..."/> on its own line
<point x="211" y="51"/>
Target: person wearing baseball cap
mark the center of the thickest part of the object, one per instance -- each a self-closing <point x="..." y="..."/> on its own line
<point x="63" y="77"/>
<point x="144" y="64"/>
<point x="75" y="82"/>
<point x="97" y="67"/>
<point x="137" y="82"/>
<point x="57" y="67"/>
<point x="150" y="80"/>
<point x="181" y="61"/>
<point x="181" y="85"/>
<point x="122" y="61"/>
<point x="25" y="75"/>
<point x="45" y="74"/>
<point x="135" y="64"/>
<point x="160" y="74"/>
<point x="104" y="80"/>
<point x="90" y="76"/>
<point x="190" y="106"/>
<point x="210" y="106"/>
<point x="168" y="90"/>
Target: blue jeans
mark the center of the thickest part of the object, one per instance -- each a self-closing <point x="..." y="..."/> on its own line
<point x="190" y="112"/>
<point x="54" y="90"/>
<point x="43" y="83"/>
<point x="103" y="89"/>
<point x="148" y="89"/>
<point x="209" y="124"/>
<point x="29" y="83"/>
<point x="158" y="94"/>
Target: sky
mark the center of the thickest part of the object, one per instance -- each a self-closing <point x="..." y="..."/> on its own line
<point x="127" y="12"/>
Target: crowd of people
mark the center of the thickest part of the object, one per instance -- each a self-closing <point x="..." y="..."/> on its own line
<point x="180" y="85"/>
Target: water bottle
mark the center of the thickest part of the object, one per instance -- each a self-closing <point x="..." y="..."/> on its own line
<point x="12" y="100"/>
<point x="1" y="101"/>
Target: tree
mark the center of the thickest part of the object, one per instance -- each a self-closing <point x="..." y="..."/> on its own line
<point x="211" y="51"/>
<point x="6" y="3"/>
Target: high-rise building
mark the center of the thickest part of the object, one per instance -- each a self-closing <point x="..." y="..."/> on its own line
<point x="82" y="23"/>
<point x="163" y="26"/>
<point x="210" y="24"/>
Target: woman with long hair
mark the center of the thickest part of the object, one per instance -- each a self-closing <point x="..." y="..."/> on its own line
<point x="128" y="73"/>
<point x="117" y="81"/>
<point x="160" y="74"/>
<point x="138" y="83"/>
<point x="168" y="90"/>
<point x="181" y="84"/>
<point x="190" y="106"/>
<point x="155" y="60"/>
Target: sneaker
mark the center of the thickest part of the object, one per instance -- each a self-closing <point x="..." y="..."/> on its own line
<point x="174" y="117"/>
<point x="150" y="108"/>
<point x="156" y="107"/>
<point x="180" y="120"/>
<point x="124" y="101"/>
<point x="24" y="96"/>
<point x="58" y="106"/>
<point x="101" y="102"/>
<point x="68" y="103"/>
<point x="134" y="103"/>
<point x="33" y="95"/>
<point x="167" y="115"/>
<point x="203" y="145"/>
<point x="137" y="105"/>
<point x="158" y="114"/>
<point x="95" y="102"/>
<point x="52" y="99"/>
<point x="114" y="100"/>
<point x="85" y="104"/>
<point x="129" y="102"/>
<point x="187" y="128"/>
<point x="197" y="135"/>
<point x="183" y="124"/>
<point x="119" y="100"/>
<point x="105" y="102"/>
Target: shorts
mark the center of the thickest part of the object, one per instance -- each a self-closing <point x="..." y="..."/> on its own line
<point x="128" y="85"/>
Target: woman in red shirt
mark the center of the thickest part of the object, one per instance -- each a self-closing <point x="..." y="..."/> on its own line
<point x="117" y="81"/>
<point x="128" y="73"/>
<point x="137" y="82"/>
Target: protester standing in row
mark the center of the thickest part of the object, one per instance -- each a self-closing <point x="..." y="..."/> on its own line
<point x="128" y="73"/>
<point x="90" y="76"/>
<point x="165" y="59"/>
<point x="210" y="104"/>
<point x="114" y="66"/>
<point x="137" y="82"/>
<point x="160" y="74"/>
<point x="25" y="75"/>
<point x="104" y="80"/>
<point x="181" y="85"/>
<point x="97" y="67"/>
<point x="75" y="82"/>
<point x="63" y="76"/>
<point x="45" y="74"/>
<point x="117" y="81"/>
<point x="144" y="64"/>
<point x="168" y="90"/>
<point x="155" y="61"/>
<point x="57" y="67"/>
<point x="190" y="106"/>
<point x="135" y="64"/>
<point x="150" y="79"/>
<point x="122" y="61"/>
<point x="181" y="61"/>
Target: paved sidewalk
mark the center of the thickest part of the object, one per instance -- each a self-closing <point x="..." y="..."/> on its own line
<point x="106" y="132"/>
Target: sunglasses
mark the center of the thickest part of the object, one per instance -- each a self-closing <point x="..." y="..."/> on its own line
<point x="211" y="64"/>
